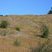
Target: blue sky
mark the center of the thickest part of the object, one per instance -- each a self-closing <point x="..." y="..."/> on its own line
<point x="24" y="7"/>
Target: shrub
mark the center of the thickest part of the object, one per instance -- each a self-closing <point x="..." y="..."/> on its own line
<point x="16" y="42"/>
<point x="44" y="31"/>
<point x="17" y="28"/>
<point x="3" y="24"/>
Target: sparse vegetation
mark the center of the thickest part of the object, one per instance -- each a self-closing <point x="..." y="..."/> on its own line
<point x="23" y="37"/>
<point x="44" y="31"/>
<point x="3" y="32"/>
<point x="45" y="47"/>
<point x="16" y="42"/>
<point x="3" y="24"/>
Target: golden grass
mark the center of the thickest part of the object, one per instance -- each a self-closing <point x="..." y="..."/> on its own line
<point x="29" y="28"/>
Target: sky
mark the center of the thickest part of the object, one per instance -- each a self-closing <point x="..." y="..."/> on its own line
<point x="25" y="7"/>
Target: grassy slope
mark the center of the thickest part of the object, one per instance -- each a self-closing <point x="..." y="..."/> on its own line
<point x="29" y="28"/>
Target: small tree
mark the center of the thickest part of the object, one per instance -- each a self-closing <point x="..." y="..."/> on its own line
<point x="50" y="11"/>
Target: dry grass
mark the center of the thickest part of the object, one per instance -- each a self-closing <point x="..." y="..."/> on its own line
<point x="29" y="29"/>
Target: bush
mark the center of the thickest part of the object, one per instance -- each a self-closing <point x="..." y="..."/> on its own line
<point x="50" y="11"/>
<point x="16" y="42"/>
<point x="44" y="31"/>
<point x="3" y="24"/>
<point x="17" y="28"/>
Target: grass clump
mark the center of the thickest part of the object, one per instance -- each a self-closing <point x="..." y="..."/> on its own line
<point x="43" y="47"/>
<point x="3" y="24"/>
<point x="16" y="42"/>
<point x="44" y="31"/>
<point x="3" y="32"/>
<point x="17" y="28"/>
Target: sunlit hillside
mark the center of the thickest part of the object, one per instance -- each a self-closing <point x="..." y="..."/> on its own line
<point x="24" y="33"/>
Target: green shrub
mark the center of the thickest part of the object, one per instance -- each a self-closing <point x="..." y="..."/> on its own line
<point x="16" y="42"/>
<point x="44" y="31"/>
<point x="17" y="28"/>
<point x="3" y="24"/>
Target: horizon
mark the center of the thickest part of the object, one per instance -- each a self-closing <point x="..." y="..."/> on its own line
<point x="27" y="7"/>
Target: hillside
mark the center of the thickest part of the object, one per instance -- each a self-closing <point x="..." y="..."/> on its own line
<point x="26" y="30"/>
